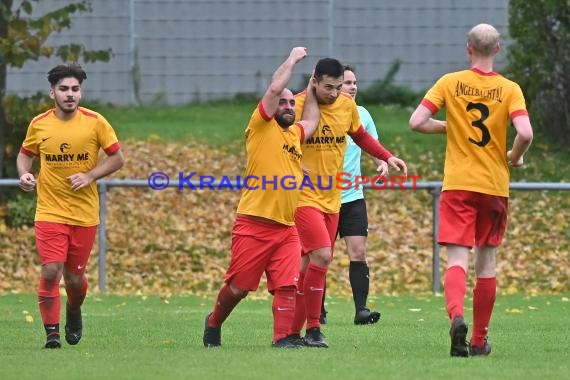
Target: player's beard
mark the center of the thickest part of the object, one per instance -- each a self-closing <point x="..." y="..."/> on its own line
<point x="285" y="119"/>
<point x="66" y="107"/>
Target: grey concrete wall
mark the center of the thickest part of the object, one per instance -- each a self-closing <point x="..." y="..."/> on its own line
<point x="209" y="49"/>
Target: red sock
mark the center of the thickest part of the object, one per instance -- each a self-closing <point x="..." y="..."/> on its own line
<point x="76" y="296"/>
<point x="483" y="301"/>
<point x="300" y="311"/>
<point x="225" y="303"/>
<point x="49" y="301"/>
<point x="313" y="289"/>
<point x="455" y="287"/>
<point x="283" y="311"/>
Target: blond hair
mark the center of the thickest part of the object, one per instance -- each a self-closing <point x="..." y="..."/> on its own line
<point x="483" y="39"/>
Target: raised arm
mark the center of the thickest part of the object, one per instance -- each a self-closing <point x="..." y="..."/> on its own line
<point x="311" y="113"/>
<point x="279" y="80"/>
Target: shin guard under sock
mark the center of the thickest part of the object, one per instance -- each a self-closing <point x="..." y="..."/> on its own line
<point x="359" y="282"/>
<point x="75" y="297"/>
<point x="300" y="310"/>
<point x="49" y="301"/>
<point x="283" y="311"/>
<point x="313" y="289"/>
<point x="225" y="303"/>
<point x="484" y="296"/>
<point x="455" y="285"/>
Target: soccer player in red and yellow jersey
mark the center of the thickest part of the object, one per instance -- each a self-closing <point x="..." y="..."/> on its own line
<point x="319" y="206"/>
<point x="264" y="237"/>
<point x="67" y="140"/>
<point x="474" y="202"/>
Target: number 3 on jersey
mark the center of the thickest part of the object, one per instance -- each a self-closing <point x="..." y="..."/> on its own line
<point x="486" y="136"/>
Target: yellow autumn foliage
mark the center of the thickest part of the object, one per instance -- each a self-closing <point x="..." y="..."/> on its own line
<point x="178" y="241"/>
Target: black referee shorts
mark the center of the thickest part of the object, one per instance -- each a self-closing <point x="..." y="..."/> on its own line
<point x="353" y="219"/>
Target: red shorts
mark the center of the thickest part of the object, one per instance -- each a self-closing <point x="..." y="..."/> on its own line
<point x="64" y="243"/>
<point x="468" y="218"/>
<point x="317" y="229"/>
<point x="259" y="247"/>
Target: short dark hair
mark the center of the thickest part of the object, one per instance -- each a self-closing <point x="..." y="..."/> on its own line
<point x="349" y="68"/>
<point x="328" y="66"/>
<point x="71" y="70"/>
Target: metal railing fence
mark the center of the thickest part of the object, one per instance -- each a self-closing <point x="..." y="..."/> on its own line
<point x="433" y="187"/>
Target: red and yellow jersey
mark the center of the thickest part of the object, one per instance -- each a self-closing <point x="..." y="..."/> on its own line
<point x="65" y="148"/>
<point x="273" y="172"/>
<point x="479" y="106"/>
<point x="323" y="152"/>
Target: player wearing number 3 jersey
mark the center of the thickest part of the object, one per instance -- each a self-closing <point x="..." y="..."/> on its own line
<point x="479" y="105"/>
<point x="474" y="202"/>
